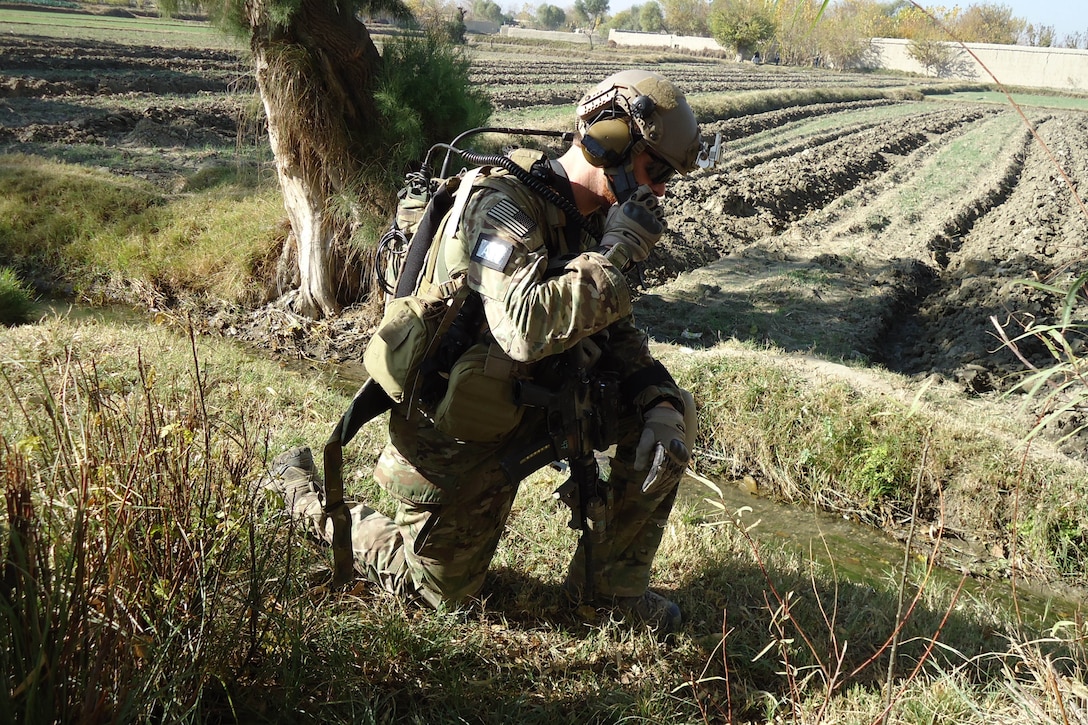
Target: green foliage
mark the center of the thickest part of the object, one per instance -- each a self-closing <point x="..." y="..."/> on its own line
<point x="454" y="27"/>
<point x="1067" y="538"/>
<point x="989" y="23"/>
<point x="1040" y="36"/>
<point x="488" y="10"/>
<point x="592" y="10"/>
<point x="424" y="96"/>
<point x="936" y="57"/>
<point x="878" y="472"/>
<point x="651" y="17"/>
<point x="686" y="17"/>
<point x="741" y="25"/>
<point x="16" y="302"/>
<point x="645" y="18"/>
<point x="550" y="16"/>
<point x="624" y="20"/>
<point x="844" y="36"/>
<point x="274" y="16"/>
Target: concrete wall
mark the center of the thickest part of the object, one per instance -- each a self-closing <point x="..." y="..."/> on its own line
<point x="662" y="40"/>
<point x="1012" y="65"/>
<point x="544" y="34"/>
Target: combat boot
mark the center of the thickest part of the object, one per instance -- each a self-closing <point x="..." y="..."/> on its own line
<point x="655" y="611"/>
<point x="649" y="608"/>
<point x="293" y="476"/>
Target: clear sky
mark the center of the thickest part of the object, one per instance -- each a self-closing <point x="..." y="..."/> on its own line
<point x="1067" y="16"/>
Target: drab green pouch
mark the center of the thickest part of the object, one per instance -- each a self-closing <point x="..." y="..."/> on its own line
<point x="479" y="402"/>
<point x="402" y="341"/>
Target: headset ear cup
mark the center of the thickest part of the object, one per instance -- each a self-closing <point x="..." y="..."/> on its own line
<point x="607" y="143"/>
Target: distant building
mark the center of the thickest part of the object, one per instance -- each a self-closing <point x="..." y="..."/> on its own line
<point x="481" y="27"/>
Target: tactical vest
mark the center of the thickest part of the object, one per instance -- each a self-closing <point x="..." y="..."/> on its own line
<point x="431" y="352"/>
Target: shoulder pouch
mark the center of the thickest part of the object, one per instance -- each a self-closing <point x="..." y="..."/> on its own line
<point x="408" y="334"/>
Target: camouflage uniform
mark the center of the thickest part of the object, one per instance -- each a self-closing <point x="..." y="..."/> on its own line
<point x="453" y="496"/>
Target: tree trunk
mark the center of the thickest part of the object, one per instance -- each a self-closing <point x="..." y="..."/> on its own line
<point x="315" y="77"/>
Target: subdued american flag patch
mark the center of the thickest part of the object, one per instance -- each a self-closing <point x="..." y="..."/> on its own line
<point x="506" y="214"/>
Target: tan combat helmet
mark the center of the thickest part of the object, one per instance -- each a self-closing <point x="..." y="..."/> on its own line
<point x="636" y="107"/>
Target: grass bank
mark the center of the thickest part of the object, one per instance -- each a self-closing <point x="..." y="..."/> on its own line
<point x="88" y="229"/>
<point x="146" y="570"/>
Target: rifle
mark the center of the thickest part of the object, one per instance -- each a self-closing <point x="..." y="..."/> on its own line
<point x="579" y="418"/>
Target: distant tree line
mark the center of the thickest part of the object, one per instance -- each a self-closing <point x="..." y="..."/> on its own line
<point x="793" y="31"/>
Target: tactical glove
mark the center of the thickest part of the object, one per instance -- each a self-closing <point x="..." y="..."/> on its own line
<point x="661" y="424"/>
<point x="667" y="467"/>
<point x="662" y="449"/>
<point x="632" y="228"/>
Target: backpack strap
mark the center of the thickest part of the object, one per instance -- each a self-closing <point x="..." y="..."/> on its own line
<point x="448" y="202"/>
<point x="370" y="402"/>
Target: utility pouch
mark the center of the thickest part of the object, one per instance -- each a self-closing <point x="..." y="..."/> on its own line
<point x="479" y="402"/>
<point x="409" y="331"/>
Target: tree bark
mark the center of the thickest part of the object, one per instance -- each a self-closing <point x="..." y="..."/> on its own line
<point x="315" y="77"/>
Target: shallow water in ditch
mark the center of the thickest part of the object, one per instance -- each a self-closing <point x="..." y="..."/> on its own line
<point x="864" y="555"/>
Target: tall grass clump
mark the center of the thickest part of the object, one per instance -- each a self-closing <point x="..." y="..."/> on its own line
<point x="1060" y="388"/>
<point x="16" y="303"/>
<point x="140" y="580"/>
<point x="1055" y="389"/>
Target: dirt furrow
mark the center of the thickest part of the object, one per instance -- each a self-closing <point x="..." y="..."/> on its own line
<point x="1031" y="230"/>
<point x="768" y="196"/>
<point x="853" y="279"/>
<point x="43" y="56"/>
<point x="48" y="67"/>
<point x="157" y="126"/>
<point x="546" y="82"/>
<point x="745" y="126"/>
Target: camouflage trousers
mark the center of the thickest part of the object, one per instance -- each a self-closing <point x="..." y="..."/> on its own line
<point x="453" y="500"/>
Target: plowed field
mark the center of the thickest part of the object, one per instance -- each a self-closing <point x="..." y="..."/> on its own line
<point x="888" y="232"/>
<point x="883" y="231"/>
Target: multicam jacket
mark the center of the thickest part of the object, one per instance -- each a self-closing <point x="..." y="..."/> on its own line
<point x="543" y="289"/>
